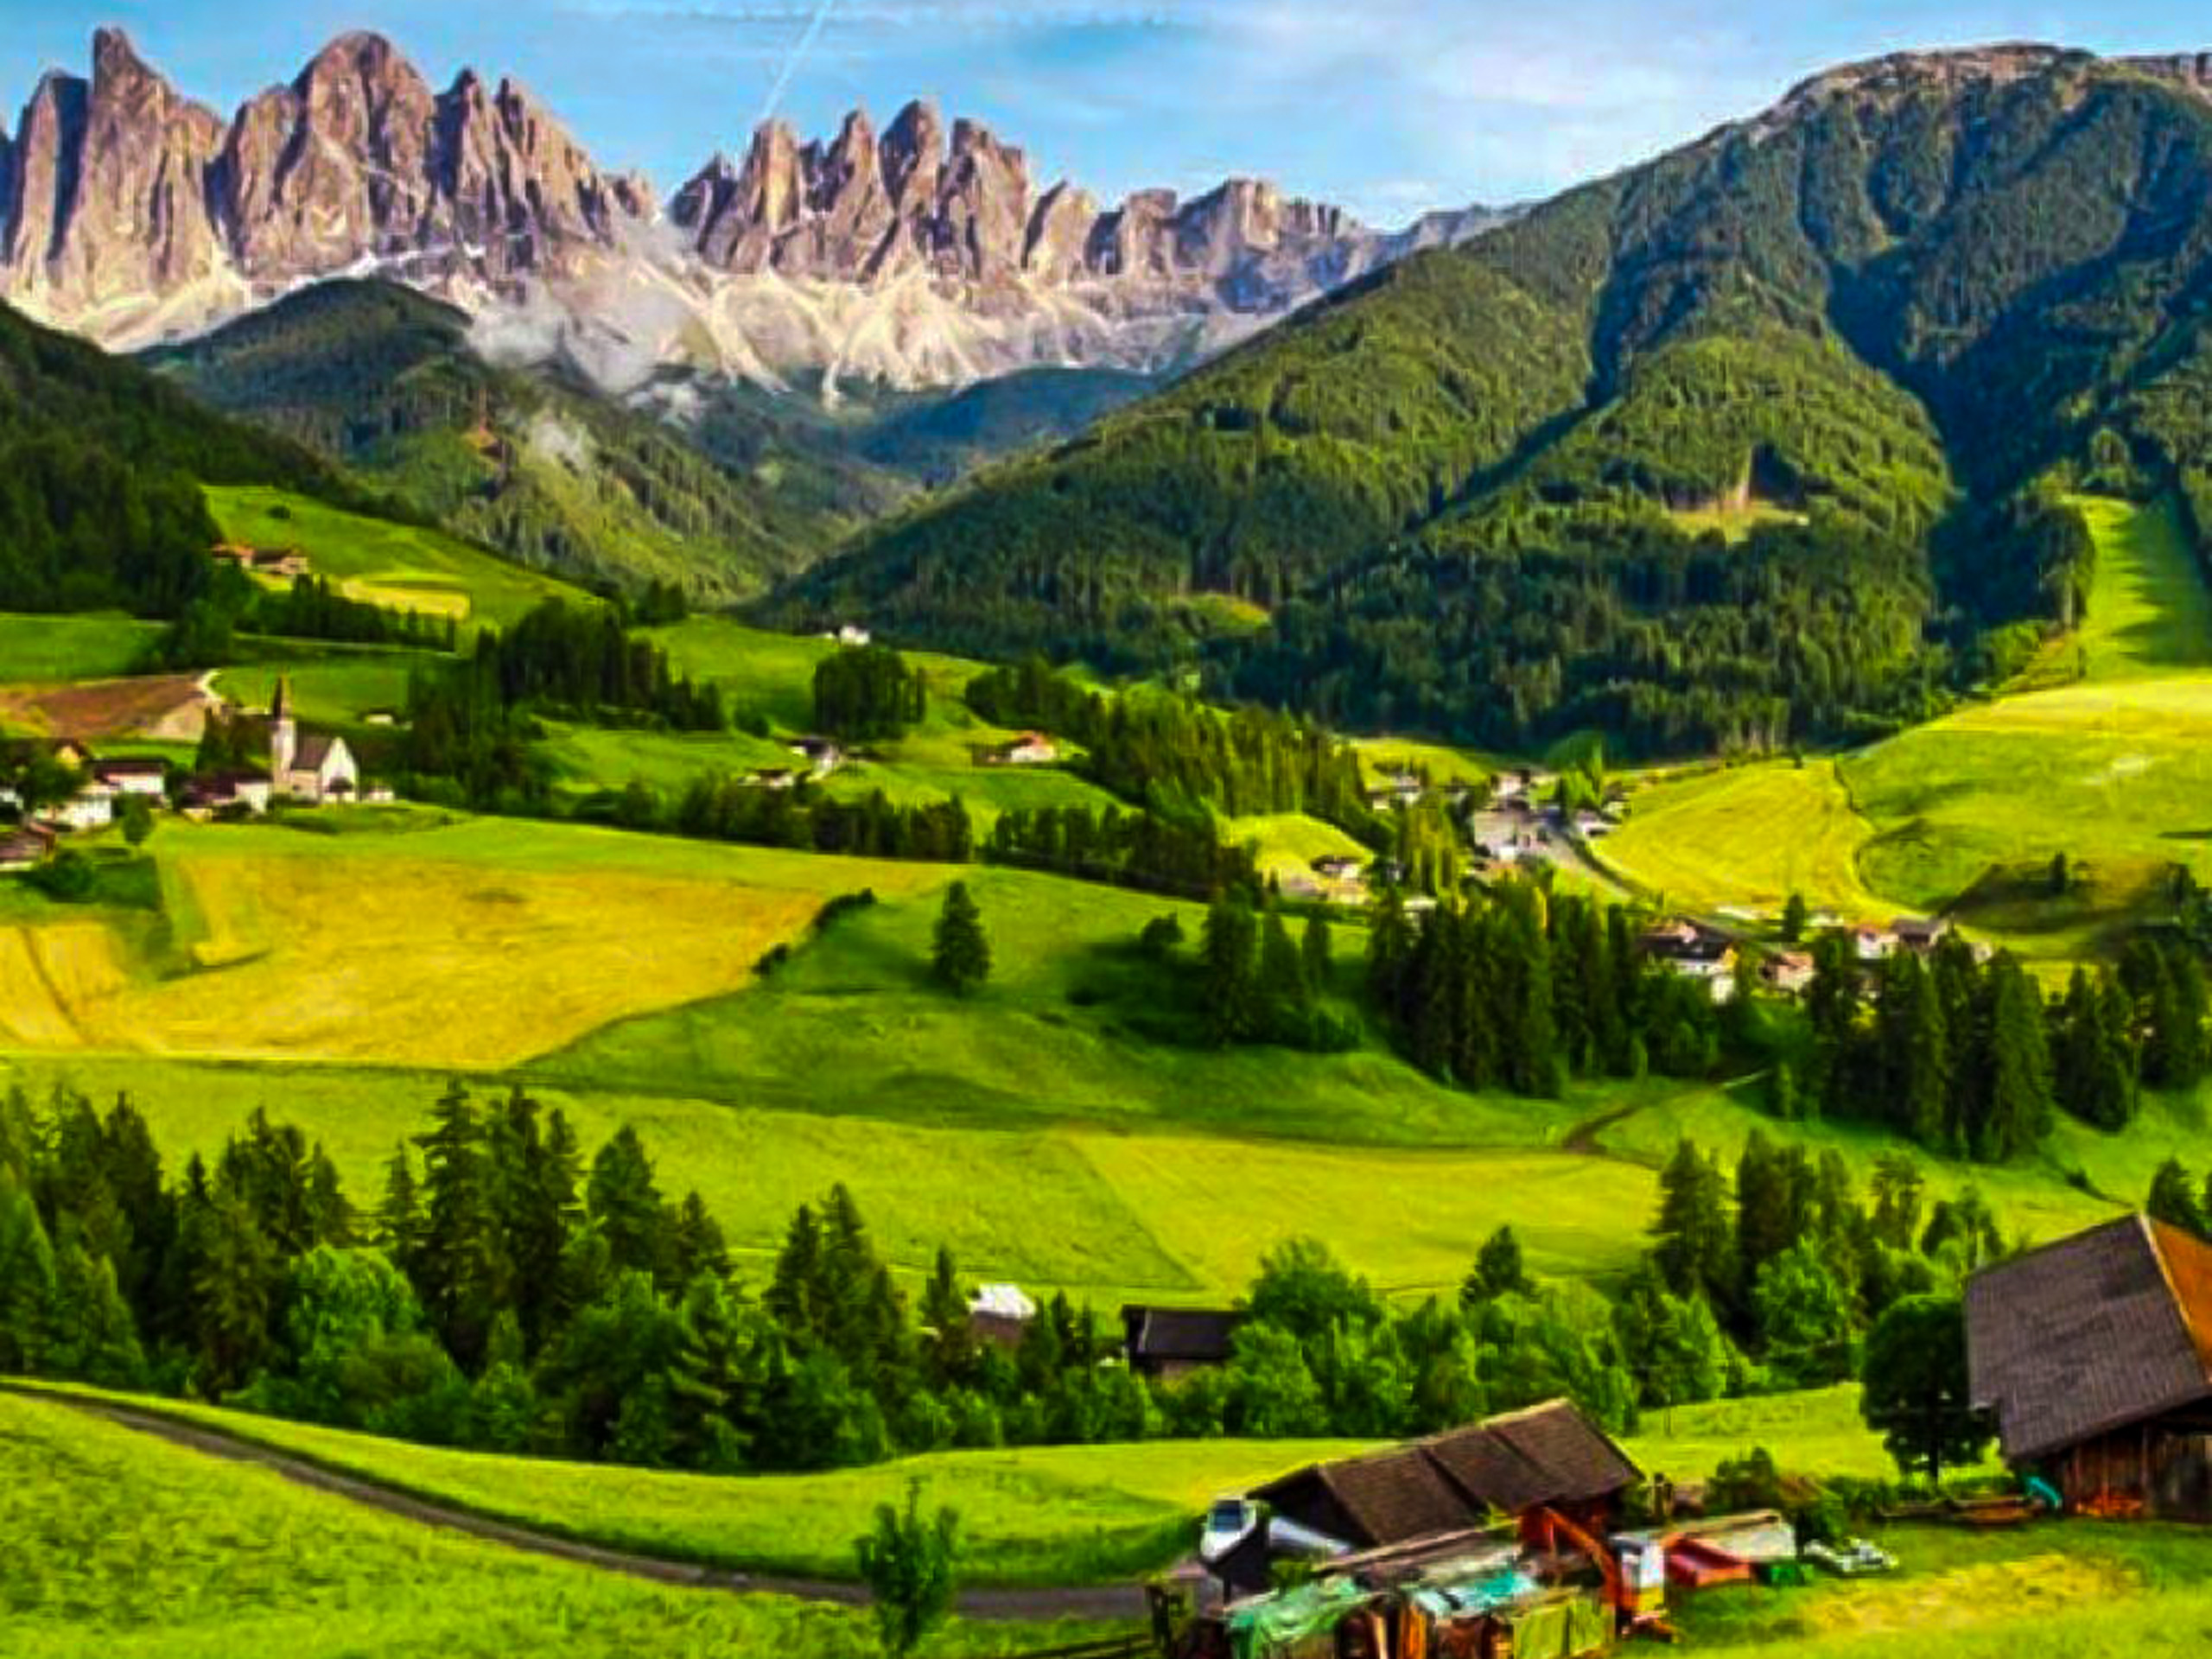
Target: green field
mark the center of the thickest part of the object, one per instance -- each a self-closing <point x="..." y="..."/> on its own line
<point x="1035" y="1515"/>
<point x="398" y="566"/>
<point x="119" y="1546"/>
<point x="336" y="689"/>
<point x="2150" y="615"/>
<point x="1747" y="837"/>
<point x="1287" y="844"/>
<point x="42" y="650"/>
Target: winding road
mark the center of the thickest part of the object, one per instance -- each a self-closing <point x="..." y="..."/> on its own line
<point x="1108" y="1604"/>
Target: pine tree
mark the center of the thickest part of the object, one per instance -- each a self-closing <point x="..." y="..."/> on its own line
<point x="960" y="958"/>
<point x="2018" y="1113"/>
<point x="698" y="1247"/>
<point x="1284" y="998"/>
<point x="2173" y="1199"/>
<point x="1691" y="1235"/>
<point x="950" y="1348"/>
<point x="1765" y="1224"/>
<point x="624" y="1205"/>
<point x="398" y="1223"/>
<point x="1226" y="957"/>
<point x="457" y="1270"/>
<point x="234" y="1295"/>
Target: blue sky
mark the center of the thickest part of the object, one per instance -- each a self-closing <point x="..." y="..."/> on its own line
<point x="1389" y="106"/>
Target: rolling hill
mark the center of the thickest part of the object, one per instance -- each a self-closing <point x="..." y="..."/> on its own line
<point x="537" y="464"/>
<point x="1749" y="445"/>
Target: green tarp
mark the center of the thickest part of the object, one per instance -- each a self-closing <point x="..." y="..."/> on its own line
<point x="1561" y="1629"/>
<point x="1283" y="1626"/>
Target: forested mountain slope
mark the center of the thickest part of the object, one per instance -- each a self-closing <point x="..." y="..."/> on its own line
<point x="100" y="469"/>
<point x="1749" y="444"/>
<point x="551" y="472"/>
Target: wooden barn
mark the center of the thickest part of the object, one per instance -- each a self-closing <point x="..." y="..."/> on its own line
<point x="2095" y="1356"/>
<point x="1535" y="1467"/>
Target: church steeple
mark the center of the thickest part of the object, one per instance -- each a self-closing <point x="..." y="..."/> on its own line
<point x="283" y="734"/>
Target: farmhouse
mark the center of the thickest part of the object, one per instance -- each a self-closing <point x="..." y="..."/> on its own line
<point x="148" y="778"/>
<point x="1165" y="1343"/>
<point x="1548" y="1461"/>
<point x="226" y="792"/>
<point x="314" y="768"/>
<point x="999" y="1314"/>
<point x="1873" y="945"/>
<point x="92" y="807"/>
<point x="773" y="778"/>
<point x="1030" y="749"/>
<point x="2095" y="1355"/>
<point x="1339" y="867"/>
<point x="284" y="563"/>
<point x="1787" y="971"/>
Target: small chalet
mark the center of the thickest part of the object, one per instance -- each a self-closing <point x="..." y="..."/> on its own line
<point x="1030" y="749"/>
<point x="227" y="791"/>
<point x="999" y="1314"/>
<point x="779" y="777"/>
<point x="1170" y="1342"/>
<point x="1339" y="867"/>
<point x="280" y="562"/>
<point x="1789" y="972"/>
<point x="1919" y="937"/>
<point x="2095" y="1355"/>
<point x="1873" y="945"/>
<point x="148" y="778"/>
<point x="850" y="635"/>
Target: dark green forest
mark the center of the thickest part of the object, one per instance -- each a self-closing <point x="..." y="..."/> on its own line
<point x="1751" y="445"/>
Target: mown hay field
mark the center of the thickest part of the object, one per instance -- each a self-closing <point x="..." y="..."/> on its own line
<point x="1747" y="837"/>
<point x="120" y="1546"/>
<point x="415" y="949"/>
<point x="45" y="650"/>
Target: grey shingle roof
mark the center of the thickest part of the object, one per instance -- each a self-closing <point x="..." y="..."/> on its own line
<point x="2092" y="1334"/>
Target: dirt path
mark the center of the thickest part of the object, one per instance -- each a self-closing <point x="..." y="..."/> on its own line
<point x="1110" y="1604"/>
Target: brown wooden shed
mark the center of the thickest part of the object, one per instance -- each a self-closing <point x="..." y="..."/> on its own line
<point x="2094" y="1354"/>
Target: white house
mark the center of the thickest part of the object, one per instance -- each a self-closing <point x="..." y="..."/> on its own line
<point x="314" y="768"/>
<point x="146" y="778"/>
<point x="1030" y="749"/>
<point x="821" y="753"/>
<point x="92" y="807"/>
<point x="850" y="635"/>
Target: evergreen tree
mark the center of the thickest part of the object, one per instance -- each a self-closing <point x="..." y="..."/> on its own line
<point x="1794" y="917"/>
<point x="1917" y="1392"/>
<point x="1691" y="1235"/>
<point x="1230" y="981"/>
<point x="234" y="1295"/>
<point x="1313" y="946"/>
<point x="949" y="1338"/>
<point x="910" y="1563"/>
<point x="2018" y="1110"/>
<point x="2173" y="1199"/>
<point x="457" y="1271"/>
<point x="624" y="1203"/>
<point x="1499" y="1270"/>
<point x="960" y="958"/>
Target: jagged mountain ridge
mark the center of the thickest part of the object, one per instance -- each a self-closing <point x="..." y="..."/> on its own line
<point x="926" y="256"/>
<point x="1755" y="442"/>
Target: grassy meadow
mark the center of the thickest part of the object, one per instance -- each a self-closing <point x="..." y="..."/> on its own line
<point x="45" y="650"/>
<point x="118" y="1545"/>
<point x="1032" y="1515"/>
<point x="400" y="566"/>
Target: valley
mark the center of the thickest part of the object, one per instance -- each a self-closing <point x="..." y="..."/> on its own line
<point x="670" y="875"/>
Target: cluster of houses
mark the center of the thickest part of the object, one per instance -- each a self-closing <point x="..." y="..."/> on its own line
<point x="308" y="768"/>
<point x="1695" y="950"/>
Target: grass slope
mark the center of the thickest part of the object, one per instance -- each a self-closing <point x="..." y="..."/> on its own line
<point x="120" y="1546"/>
<point x="42" y="650"/>
<point x="1032" y="1515"/>
<point x="396" y="565"/>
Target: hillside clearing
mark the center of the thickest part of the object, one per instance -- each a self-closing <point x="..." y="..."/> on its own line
<point x="47" y="650"/>
<point x="400" y="566"/>
<point x="1747" y="837"/>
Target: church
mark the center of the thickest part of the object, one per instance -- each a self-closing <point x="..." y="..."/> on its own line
<point x="314" y="768"/>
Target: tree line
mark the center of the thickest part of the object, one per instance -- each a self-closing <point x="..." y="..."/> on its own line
<point x="1176" y="756"/>
<point x="1969" y="1058"/>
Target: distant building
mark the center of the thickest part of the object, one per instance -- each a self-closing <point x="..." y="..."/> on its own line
<point x="227" y="791"/>
<point x="150" y="778"/>
<point x="1787" y="971"/>
<point x="1170" y="1342"/>
<point x="999" y="1314"/>
<point x="851" y="635"/>
<point x="1339" y="867"/>
<point x="1030" y="749"/>
<point x="92" y="807"/>
<point x="1920" y="936"/>
<point x="1873" y="945"/>
<point x="777" y="778"/>
<point x="314" y="768"/>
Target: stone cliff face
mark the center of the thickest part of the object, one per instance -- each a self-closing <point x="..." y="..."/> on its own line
<point x="962" y="209"/>
<point x="123" y="199"/>
<point x="921" y="254"/>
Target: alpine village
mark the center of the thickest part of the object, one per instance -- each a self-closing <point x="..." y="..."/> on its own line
<point x="867" y="903"/>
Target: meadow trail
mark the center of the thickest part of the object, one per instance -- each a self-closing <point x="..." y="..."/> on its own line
<point x="1110" y="1604"/>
